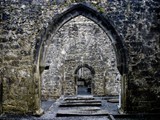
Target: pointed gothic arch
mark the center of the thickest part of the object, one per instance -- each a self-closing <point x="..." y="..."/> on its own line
<point x="60" y="19"/>
<point x="80" y="9"/>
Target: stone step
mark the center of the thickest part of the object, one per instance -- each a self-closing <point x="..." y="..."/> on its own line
<point x="82" y="112"/>
<point x="82" y="101"/>
<point x="79" y="104"/>
<point x="113" y="100"/>
<point x="78" y="98"/>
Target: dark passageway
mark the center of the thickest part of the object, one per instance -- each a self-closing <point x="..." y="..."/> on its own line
<point x="84" y="76"/>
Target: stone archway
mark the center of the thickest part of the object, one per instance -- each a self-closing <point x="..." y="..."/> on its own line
<point x="84" y="82"/>
<point x="59" y="20"/>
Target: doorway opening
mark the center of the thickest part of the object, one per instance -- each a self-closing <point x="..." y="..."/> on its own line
<point x="84" y="80"/>
<point x="84" y="75"/>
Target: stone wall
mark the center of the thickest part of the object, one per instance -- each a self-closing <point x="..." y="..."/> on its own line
<point x="23" y="23"/>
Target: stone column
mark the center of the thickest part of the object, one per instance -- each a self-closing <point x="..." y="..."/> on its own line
<point x="123" y="96"/>
<point x="38" y="111"/>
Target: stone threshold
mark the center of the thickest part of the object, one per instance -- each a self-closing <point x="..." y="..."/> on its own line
<point x="82" y="112"/>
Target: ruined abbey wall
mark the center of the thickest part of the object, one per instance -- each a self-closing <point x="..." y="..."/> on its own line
<point x="23" y="23"/>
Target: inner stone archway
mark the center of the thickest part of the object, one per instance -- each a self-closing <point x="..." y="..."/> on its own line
<point x="84" y="75"/>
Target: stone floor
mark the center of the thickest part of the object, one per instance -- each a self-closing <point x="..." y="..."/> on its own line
<point x="52" y="107"/>
<point x="51" y="113"/>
